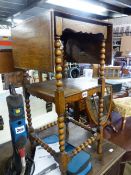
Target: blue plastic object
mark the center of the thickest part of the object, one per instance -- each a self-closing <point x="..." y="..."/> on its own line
<point x="18" y="130"/>
<point x="17" y="122"/>
<point x="51" y="139"/>
<point x="79" y="164"/>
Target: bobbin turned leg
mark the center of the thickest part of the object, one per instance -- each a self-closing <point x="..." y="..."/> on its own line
<point x="29" y="118"/>
<point x="26" y="82"/>
<point x="101" y="81"/>
<point x="60" y="107"/>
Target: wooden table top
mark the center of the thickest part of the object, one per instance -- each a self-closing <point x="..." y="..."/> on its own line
<point x="46" y="90"/>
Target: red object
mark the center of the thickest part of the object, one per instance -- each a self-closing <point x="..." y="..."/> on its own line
<point x="22" y="152"/>
<point x="5" y="43"/>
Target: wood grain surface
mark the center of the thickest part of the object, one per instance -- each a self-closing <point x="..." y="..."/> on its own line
<point x="6" y="62"/>
<point x="32" y="43"/>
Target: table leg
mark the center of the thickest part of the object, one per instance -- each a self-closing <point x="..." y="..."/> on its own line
<point x="76" y="111"/>
<point x="111" y="124"/>
<point x="123" y="122"/>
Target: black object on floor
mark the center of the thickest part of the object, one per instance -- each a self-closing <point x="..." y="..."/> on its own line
<point x="1" y="123"/>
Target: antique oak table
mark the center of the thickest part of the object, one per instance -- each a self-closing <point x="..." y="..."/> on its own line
<point x="74" y="89"/>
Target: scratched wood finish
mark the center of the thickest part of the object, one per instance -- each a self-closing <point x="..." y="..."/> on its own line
<point x="33" y="43"/>
<point x="6" y="62"/>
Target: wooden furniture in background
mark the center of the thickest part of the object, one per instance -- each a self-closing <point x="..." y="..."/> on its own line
<point x="11" y="75"/>
<point x="59" y="91"/>
<point x="112" y="72"/>
<point x="15" y="78"/>
<point x="123" y="106"/>
<point x="6" y="65"/>
<point x="124" y="57"/>
<point x="90" y="107"/>
<point x="125" y="45"/>
<point x="6" y="61"/>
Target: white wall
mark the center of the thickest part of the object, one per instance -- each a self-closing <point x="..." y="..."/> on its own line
<point x="5" y="32"/>
<point x="121" y="21"/>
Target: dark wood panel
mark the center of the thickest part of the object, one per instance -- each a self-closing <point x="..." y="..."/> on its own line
<point x="6" y="62"/>
<point x="86" y="27"/>
<point x="32" y="43"/>
<point x="109" y="45"/>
